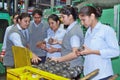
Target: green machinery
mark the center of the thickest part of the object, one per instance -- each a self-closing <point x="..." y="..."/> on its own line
<point x="4" y="22"/>
<point x="74" y="2"/>
<point x="55" y="9"/>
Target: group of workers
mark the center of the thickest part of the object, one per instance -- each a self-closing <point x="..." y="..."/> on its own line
<point x="92" y="51"/>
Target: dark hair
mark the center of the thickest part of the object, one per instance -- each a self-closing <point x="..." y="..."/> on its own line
<point x="69" y="10"/>
<point x="16" y="18"/>
<point x="54" y="17"/>
<point x="15" y="14"/>
<point x="37" y="11"/>
<point x="23" y="15"/>
<point x="88" y="10"/>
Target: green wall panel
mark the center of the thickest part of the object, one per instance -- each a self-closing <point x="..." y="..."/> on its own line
<point x="108" y="17"/>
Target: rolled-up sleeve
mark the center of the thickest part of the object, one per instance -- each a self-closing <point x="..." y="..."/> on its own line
<point x="113" y="48"/>
<point x="75" y="41"/>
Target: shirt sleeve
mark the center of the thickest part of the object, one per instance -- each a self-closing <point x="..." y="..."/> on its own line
<point x="75" y="41"/>
<point x="49" y="34"/>
<point x="16" y="39"/>
<point x="113" y="48"/>
<point x="5" y="37"/>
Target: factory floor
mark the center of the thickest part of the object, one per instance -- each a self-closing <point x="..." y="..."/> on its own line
<point x="2" y="77"/>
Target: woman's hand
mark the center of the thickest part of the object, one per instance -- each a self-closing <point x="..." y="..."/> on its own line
<point x="55" y="41"/>
<point x="35" y="58"/>
<point x="41" y="44"/>
<point x="52" y="49"/>
<point x="87" y="51"/>
<point x="83" y="51"/>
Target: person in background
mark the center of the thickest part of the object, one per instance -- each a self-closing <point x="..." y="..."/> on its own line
<point x="73" y="38"/>
<point x="55" y="32"/>
<point x="100" y="44"/>
<point x="16" y="37"/>
<point x="38" y="32"/>
<point x="6" y="33"/>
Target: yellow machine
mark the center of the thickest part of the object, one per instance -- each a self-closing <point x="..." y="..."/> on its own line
<point x="23" y="69"/>
<point x="30" y="73"/>
<point x="21" y="56"/>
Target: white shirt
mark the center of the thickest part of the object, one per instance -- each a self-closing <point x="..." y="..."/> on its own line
<point x="36" y="25"/>
<point x="15" y="37"/>
<point x="101" y="38"/>
<point x="59" y="34"/>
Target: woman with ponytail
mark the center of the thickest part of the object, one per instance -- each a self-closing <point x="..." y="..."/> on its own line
<point x="100" y="44"/>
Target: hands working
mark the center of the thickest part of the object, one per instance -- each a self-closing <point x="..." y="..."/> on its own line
<point x="85" y="51"/>
<point x="35" y="59"/>
<point x="42" y="45"/>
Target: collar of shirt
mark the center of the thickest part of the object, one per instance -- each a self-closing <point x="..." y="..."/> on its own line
<point x="18" y="26"/>
<point x="50" y="32"/>
<point x="97" y="27"/>
<point x="61" y="27"/>
<point x="71" y="26"/>
<point x="53" y="34"/>
<point x="36" y="25"/>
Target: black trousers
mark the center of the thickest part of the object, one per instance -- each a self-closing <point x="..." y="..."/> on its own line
<point x="43" y="59"/>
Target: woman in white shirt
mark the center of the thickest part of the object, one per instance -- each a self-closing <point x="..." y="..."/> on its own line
<point x="16" y="37"/>
<point x="100" y="44"/>
<point x="55" y="32"/>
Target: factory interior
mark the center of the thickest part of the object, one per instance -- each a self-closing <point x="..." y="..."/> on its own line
<point x="100" y="57"/>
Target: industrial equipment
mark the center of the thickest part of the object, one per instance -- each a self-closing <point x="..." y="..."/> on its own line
<point x="4" y="22"/>
<point x="30" y="73"/>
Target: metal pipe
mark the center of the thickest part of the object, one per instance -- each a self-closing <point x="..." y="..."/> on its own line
<point x="3" y="4"/>
<point x="52" y="3"/>
<point x="15" y="6"/>
<point x="100" y="3"/>
<point x="8" y="5"/>
<point x="37" y="3"/>
<point x="26" y="5"/>
<point x="68" y="2"/>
